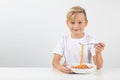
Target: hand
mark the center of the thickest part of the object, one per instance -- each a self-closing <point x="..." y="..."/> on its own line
<point x="99" y="47"/>
<point x="63" y="68"/>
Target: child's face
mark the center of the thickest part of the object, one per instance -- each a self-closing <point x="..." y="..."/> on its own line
<point x="78" y="24"/>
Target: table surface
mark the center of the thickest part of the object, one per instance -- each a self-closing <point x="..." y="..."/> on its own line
<point x="37" y="73"/>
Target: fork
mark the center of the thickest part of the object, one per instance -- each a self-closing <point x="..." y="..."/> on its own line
<point x="88" y="43"/>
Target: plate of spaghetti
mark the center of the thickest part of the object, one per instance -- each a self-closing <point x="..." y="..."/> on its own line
<point x="82" y="68"/>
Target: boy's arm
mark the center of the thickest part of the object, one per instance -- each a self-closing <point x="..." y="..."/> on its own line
<point x="98" y="60"/>
<point x="61" y="67"/>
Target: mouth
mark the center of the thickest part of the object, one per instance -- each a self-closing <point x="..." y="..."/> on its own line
<point x="75" y="29"/>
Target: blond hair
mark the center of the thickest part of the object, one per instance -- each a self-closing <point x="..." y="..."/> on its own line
<point x="75" y="10"/>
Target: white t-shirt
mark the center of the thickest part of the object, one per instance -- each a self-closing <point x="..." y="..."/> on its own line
<point x="70" y="49"/>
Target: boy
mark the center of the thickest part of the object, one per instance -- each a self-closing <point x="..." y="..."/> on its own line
<point x="69" y="46"/>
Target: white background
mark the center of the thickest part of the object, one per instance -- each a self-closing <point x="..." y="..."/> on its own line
<point x="30" y="29"/>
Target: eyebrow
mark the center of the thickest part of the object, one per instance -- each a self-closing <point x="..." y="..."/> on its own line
<point x="79" y="21"/>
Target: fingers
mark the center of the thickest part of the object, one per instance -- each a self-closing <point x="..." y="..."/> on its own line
<point x="65" y="69"/>
<point x="64" y="65"/>
<point x="69" y="71"/>
<point x="99" y="47"/>
<point x="101" y="44"/>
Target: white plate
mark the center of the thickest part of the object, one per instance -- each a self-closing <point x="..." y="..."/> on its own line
<point x="92" y="69"/>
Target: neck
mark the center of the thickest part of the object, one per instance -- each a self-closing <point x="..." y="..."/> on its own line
<point x="77" y="36"/>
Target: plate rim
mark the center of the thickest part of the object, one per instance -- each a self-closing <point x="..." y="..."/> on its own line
<point x="83" y="70"/>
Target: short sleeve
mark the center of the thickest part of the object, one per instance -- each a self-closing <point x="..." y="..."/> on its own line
<point x="59" y="48"/>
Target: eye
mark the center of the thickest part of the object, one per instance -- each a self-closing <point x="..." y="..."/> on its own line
<point x="72" y="22"/>
<point x="79" y="22"/>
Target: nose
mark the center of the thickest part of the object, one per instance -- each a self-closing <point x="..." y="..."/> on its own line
<point x="76" y="25"/>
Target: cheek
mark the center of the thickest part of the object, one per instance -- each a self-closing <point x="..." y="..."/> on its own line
<point x="70" y="26"/>
<point x="83" y="26"/>
<point x="71" y="29"/>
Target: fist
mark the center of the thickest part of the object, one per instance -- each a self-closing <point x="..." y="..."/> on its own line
<point x="99" y="47"/>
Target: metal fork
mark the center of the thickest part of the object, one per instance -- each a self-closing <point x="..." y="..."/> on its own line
<point x="88" y="43"/>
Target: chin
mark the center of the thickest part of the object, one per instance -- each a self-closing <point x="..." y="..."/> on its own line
<point x="76" y="33"/>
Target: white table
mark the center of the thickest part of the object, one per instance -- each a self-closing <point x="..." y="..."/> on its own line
<point x="35" y="73"/>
